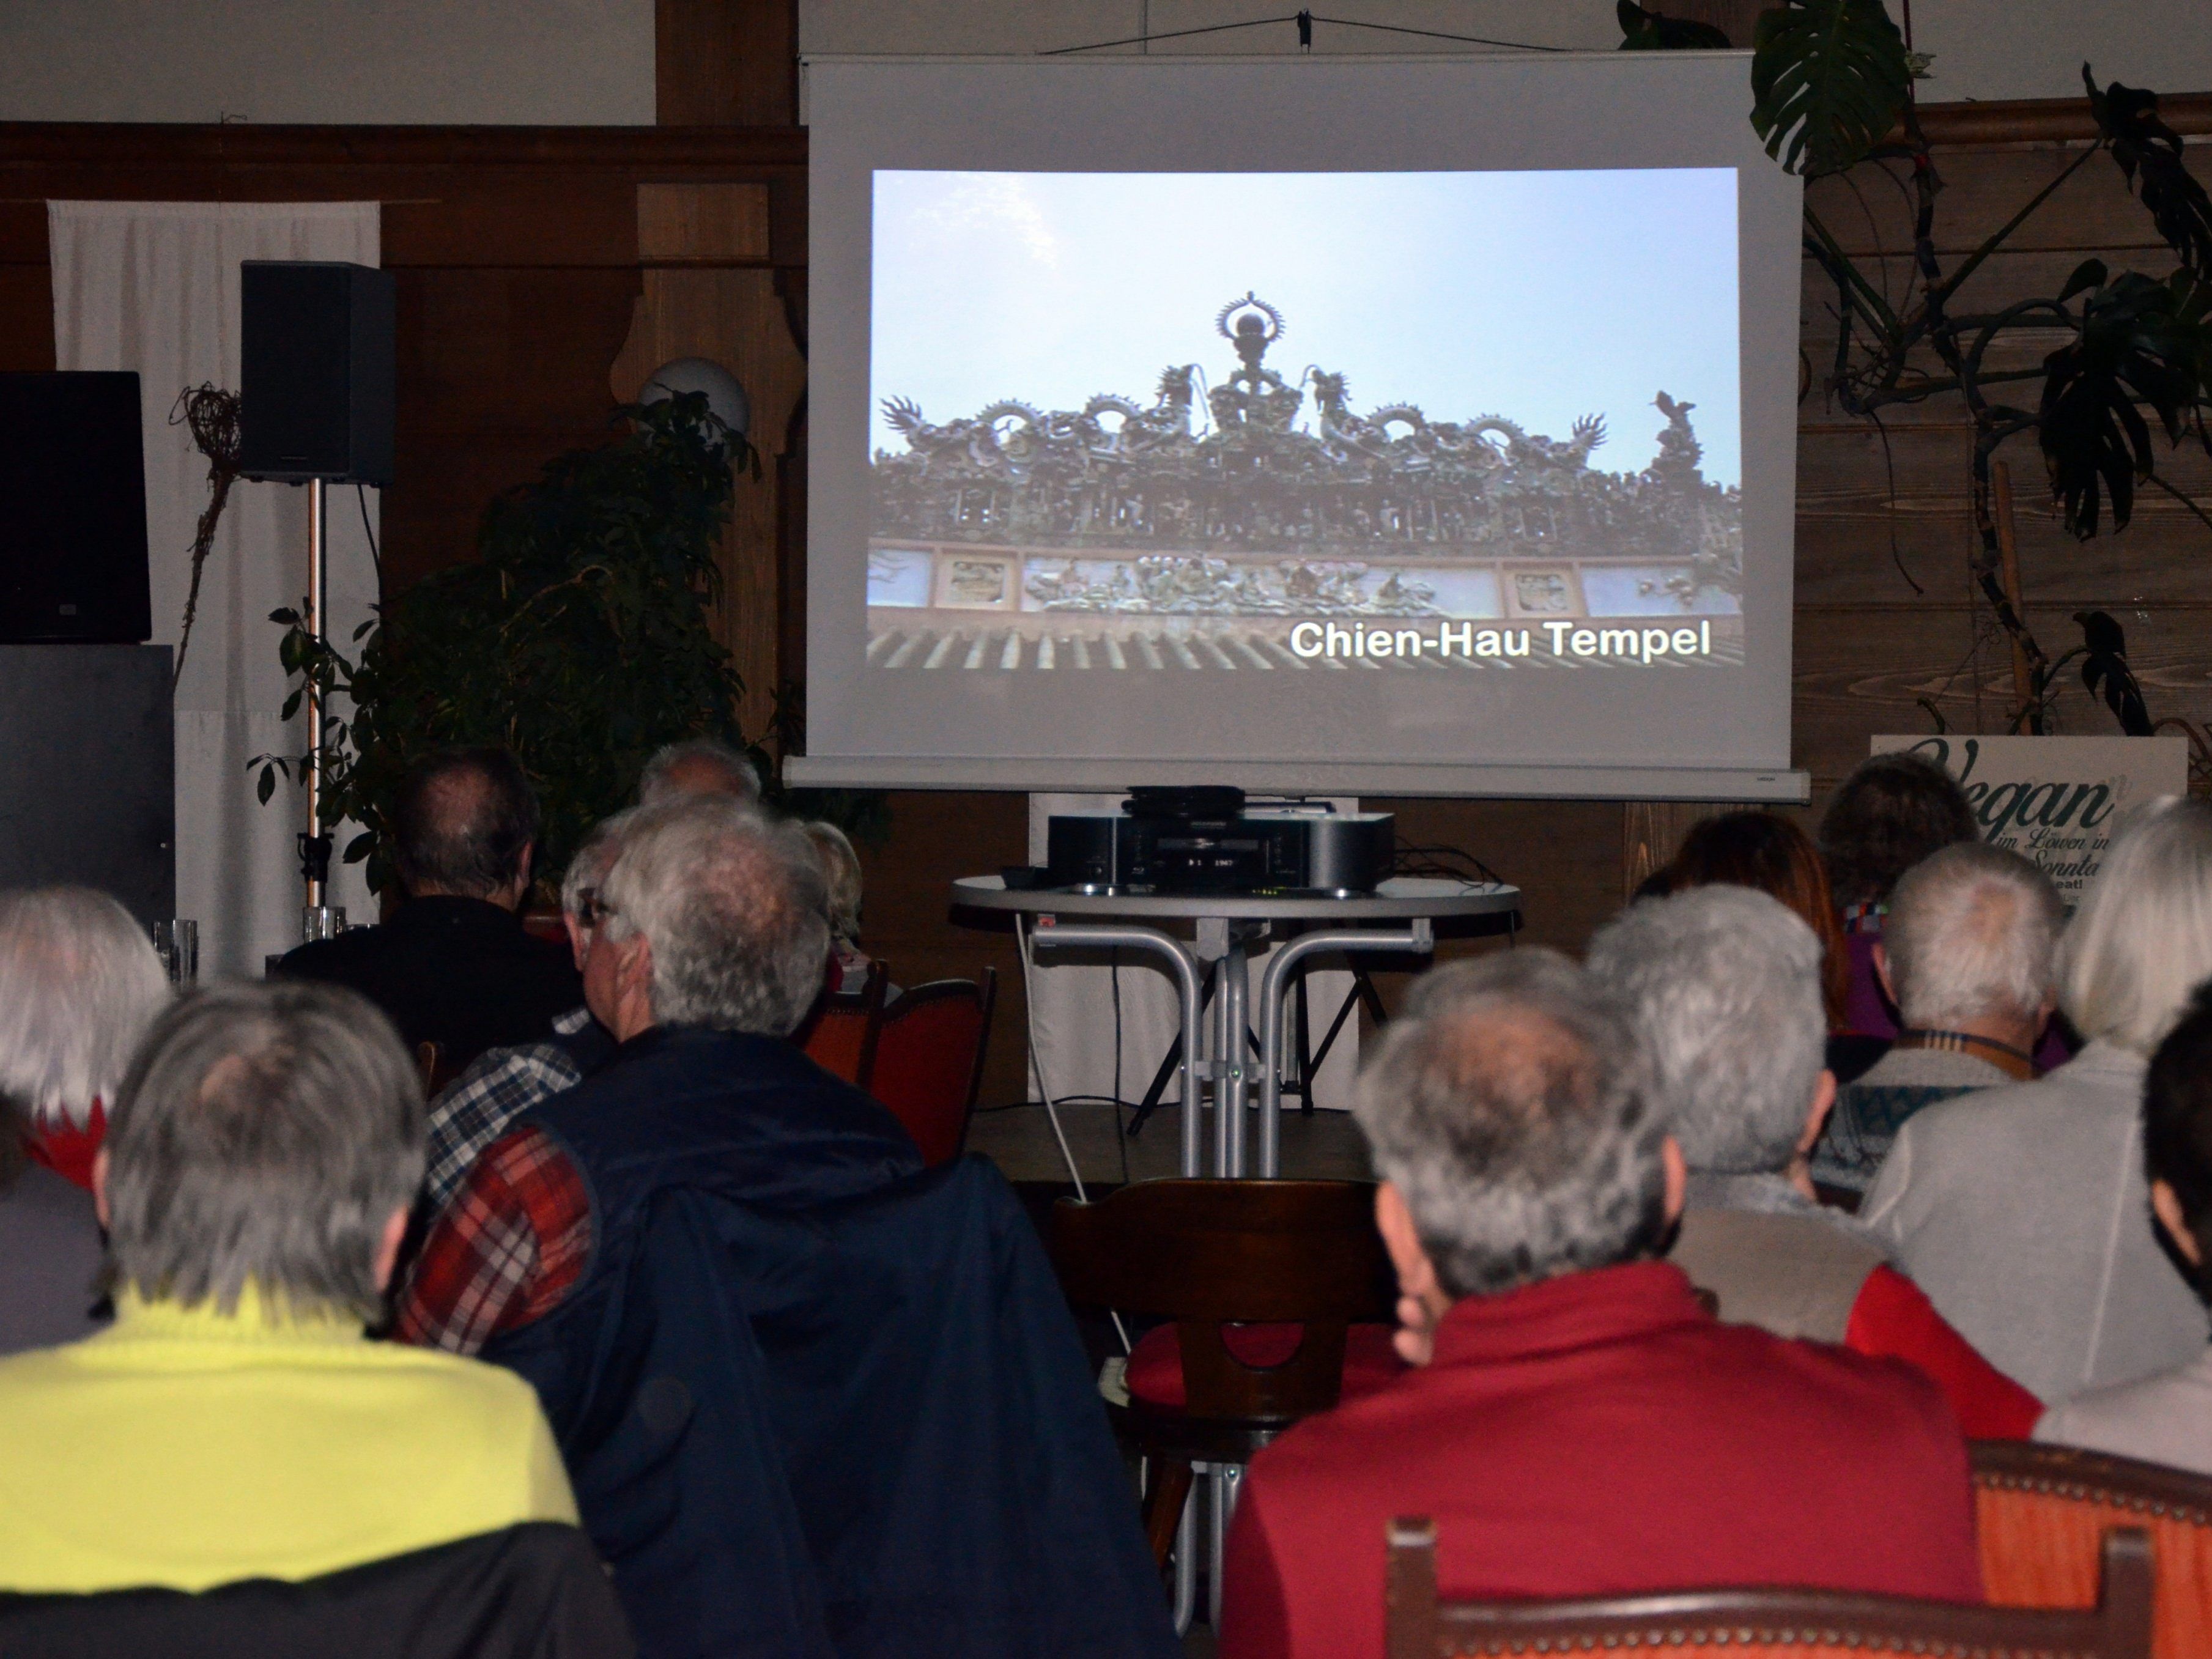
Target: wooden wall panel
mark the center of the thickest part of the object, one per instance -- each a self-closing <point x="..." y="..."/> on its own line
<point x="500" y="370"/>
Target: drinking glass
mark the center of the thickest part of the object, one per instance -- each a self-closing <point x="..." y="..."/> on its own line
<point x="177" y="942"/>
<point x="322" y="921"/>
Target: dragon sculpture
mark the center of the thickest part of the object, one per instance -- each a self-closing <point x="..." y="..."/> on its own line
<point x="1204" y="470"/>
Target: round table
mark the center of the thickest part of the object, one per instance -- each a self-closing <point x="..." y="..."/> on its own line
<point x="1224" y="923"/>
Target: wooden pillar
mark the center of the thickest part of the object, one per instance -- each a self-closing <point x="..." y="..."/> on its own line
<point x="726" y="62"/>
<point x="710" y="292"/>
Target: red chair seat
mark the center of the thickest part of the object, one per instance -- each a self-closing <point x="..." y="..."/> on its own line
<point x="1155" y="1370"/>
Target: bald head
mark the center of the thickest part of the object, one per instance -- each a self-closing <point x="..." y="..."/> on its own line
<point x="464" y="826"/>
<point x="700" y="766"/>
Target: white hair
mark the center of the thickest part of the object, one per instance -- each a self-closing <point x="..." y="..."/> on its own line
<point x="2141" y="940"/>
<point x="657" y="784"/>
<point x="594" y="856"/>
<point x="841" y="872"/>
<point x="1509" y="1102"/>
<point x="79" y="985"/>
<point x="731" y="905"/>
<point x="1969" y="936"/>
<point x="1724" y="984"/>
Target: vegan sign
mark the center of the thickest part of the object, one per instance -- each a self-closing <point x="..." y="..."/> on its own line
<point x="2055" y="800"/>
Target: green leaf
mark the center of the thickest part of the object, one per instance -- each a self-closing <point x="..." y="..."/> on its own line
<point x="1646" y="31"/>
<point x="2141" y="345"/>
<point x="1829" y="80"/>
<point x="2089" y="274"/>
<point x="266" y="786"/>
<point x="2149" y="153"/>
<point x="292" y="703"/>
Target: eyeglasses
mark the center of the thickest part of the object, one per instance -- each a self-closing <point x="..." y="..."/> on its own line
<point x="591" y="909"/>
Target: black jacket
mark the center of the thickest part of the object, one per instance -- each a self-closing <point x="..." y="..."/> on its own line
<point x="817" y="1400"/>
<point x="533" y="1591"/>
<point x="457" y="972"/>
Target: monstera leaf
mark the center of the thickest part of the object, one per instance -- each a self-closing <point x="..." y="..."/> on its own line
<point x="2104" y="671"/>
<point x="2149" y="153"/>
<point x="1828" y="81"/>
<point x="2142" y="344"/>
<point x="1649" y="31"/>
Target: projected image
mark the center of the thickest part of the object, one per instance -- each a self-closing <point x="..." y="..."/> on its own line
<point x="1213" y="420"/>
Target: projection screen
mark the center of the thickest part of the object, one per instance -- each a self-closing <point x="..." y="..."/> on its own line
<point x="1356" y="426"/>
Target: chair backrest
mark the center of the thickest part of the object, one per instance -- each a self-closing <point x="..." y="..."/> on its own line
<point x="533" y="1591"/>
<point x="1740" y="1624"/>
<point x="2042" y="1511"/>
<point x="436" y="1070"/>
<point x="1203" y="1253"/>
<point x="841" y="1034"/>
<point x="927" y="1064"/>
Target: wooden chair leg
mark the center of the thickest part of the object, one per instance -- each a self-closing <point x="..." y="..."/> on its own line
<point x="1164" y="1508"/>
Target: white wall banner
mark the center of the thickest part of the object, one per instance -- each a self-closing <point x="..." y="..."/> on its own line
<point x="153" y="287"/>
<point x="2055" y="801"/>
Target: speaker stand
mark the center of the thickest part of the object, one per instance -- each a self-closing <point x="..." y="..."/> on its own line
<point x="316" y="919"/>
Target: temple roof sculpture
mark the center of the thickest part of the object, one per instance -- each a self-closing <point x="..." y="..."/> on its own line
<point x="1228" y="468"/>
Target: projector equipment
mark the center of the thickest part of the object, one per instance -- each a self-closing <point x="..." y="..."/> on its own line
<point x="317" y="393"/>
<point x="72" y="509"/>
<point x="1163" y="844"/>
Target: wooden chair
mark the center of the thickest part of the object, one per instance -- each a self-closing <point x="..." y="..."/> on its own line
<point x="841" y="1037"/>
<point x="436" y="1071"/>
<point x="2043" y="1511"/>
<point x="926" y="1062"/>
<point x="1264" y="1281"/>
<point x="1741" y="1624"/>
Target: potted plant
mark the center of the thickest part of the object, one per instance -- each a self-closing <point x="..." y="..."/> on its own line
<point x="580" y="638"/>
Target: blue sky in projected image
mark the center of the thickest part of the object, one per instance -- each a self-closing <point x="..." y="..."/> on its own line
<point x="1536" y="295"/>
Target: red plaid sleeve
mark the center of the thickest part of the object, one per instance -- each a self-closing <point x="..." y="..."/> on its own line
<point x="510" y="1244"/>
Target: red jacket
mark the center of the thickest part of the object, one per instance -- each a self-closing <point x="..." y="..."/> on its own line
<point x="1595" y="1434"/>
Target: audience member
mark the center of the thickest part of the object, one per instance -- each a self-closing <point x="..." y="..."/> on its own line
<point x="1891" y="812"/>
<point x="840" y="871"/>
<point x="798" y="1382"/>
<point x="1584" y="1427"/>
<point x="79" y="985"/>
<point x="1965" y="955"/>
<point x="1765" y="851"/>
<point x="502" y="1084"/>
<point x="2023" y="1212"/>
<point x="699" y="766"/>
<point x="234" y="1422"/>
<point x="2166" y="1418"/>
<point x="1724" y="986"/>
<point x="453" y="965"/>
<point x="707" y="952"/>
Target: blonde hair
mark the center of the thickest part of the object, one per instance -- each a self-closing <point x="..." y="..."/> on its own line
<point x="79" y="985"/>
<point x="2142" y="941"/>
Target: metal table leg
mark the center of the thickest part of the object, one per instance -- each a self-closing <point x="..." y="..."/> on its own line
<point x="1074" y="935"/>
<point x="1417" y="937"/>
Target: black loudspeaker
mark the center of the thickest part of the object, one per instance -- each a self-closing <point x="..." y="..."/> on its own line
<point x="317" y="393"/>
<point x="72" y="509"/>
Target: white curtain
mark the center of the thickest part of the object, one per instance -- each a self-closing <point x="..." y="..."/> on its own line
<point x="153" y="287"/>
<point x="1075" y="995"/>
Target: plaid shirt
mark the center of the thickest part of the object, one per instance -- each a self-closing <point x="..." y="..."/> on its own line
<point x="510" y="1245"/>
<point x="498" y="1086"/>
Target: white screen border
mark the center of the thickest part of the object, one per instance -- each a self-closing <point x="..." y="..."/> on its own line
<point x="1725" y="736"/>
